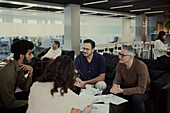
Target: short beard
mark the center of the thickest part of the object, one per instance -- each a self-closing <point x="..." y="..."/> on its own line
<point x="89" y="54"/>
<point x="25" y="60"/>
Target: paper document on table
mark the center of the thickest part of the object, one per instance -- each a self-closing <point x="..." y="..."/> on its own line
<point x="86" y="99"/>
<point x="101" y="98"/>
<point x="117" y="100"/>
<point x="100" y="108"/>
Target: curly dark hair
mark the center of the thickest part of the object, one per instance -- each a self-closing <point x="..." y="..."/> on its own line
<point x="61" y="72"/>
<point x="21" y="47"/>
<point x="160" y="36"/>
<point x="15" y="40"/>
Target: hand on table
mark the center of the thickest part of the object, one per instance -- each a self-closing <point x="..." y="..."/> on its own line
<point x="81" y="83"/>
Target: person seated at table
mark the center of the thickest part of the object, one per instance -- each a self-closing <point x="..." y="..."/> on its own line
<point x="54" y="51"/>
<point x="159" y="46"/>
<point x="10" y="57"/>
<point x="90" y="66"/>
<point x="134" y="74"/>
<point x="52" y="92"/>
<point x="12" y="75"/>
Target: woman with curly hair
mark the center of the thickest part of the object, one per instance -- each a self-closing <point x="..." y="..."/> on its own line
<point x="52" y="92"/>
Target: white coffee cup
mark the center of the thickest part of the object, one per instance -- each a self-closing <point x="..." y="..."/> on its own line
<point x="88" y="87"/>
<point x="101" y="85"/>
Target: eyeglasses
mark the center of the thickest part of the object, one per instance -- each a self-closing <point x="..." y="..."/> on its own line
<point x="122" y="55"/>
<point x="87" y="49"/>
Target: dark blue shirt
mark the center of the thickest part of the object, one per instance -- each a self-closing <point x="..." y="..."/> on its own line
<point x="90" y="70"/>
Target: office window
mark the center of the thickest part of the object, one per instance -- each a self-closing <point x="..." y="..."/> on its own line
<point x="49" y="22"/>
<point x="58" y="22"/>
<point x="17" y="20"/>
<point x="0" y="20"/>
<point x="32" y="21"/>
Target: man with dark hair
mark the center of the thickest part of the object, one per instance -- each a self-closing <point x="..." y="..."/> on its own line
<point x="90" y="66"/>
<point x="54" y="51"/>
<point x="135" y="76"/>
<point x="10" y="57"/>
<point x="12" y="76"/>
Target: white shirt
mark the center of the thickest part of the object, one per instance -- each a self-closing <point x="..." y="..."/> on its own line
<point x="159" y="48"/>
<point x="41" y="100"/>
<point x="53" y="53"/>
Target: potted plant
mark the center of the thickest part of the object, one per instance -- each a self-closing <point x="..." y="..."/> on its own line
<point x="154" y="29"/>
<point x="167" y="24"/>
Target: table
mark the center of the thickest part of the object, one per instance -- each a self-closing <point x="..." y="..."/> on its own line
<point x="152" y="46"/>
<point x="102" y="102"/>
<point x="116" y="108"/>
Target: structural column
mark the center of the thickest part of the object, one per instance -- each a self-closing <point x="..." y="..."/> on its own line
<point x="140" y="28"/>
<point x="72" y="28"/>
<point x="126" y="30"/>
<point x="151" y="24"/>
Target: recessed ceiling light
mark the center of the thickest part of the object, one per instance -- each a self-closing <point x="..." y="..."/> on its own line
<point x="101" y="12"/>
<point x="96" y="2"/>
<point x="153" y="12"/>
<point x="121" y="6"/>
<point x="140" y="10"/>
<point x="89" y="13"/>
<point x="24" y="7"/>
<point x="109" y="15"/>
<point x="31" y="4"/>
<point x="59" y="12"/>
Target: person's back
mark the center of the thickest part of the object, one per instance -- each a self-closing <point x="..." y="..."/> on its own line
<point x="51" y="93"/>
<point x="41" y="100"/>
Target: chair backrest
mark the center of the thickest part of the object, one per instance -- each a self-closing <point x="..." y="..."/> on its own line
<point x="116" y="38"/>
<point x="100" y="49"/>
<point x="69" y="53"/>
<point x="119" y="46"/>
<point x="42" y="51"/>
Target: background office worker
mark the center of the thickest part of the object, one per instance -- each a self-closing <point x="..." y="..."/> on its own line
<point x="90" y="65"/>
<point x="159" y="46"/>
<point x="54" y="51"/>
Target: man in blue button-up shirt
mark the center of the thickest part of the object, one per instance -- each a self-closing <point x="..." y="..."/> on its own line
<point x="90" y="65"/>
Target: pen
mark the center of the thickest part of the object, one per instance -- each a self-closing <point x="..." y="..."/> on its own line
<point x="93" y="107"/>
